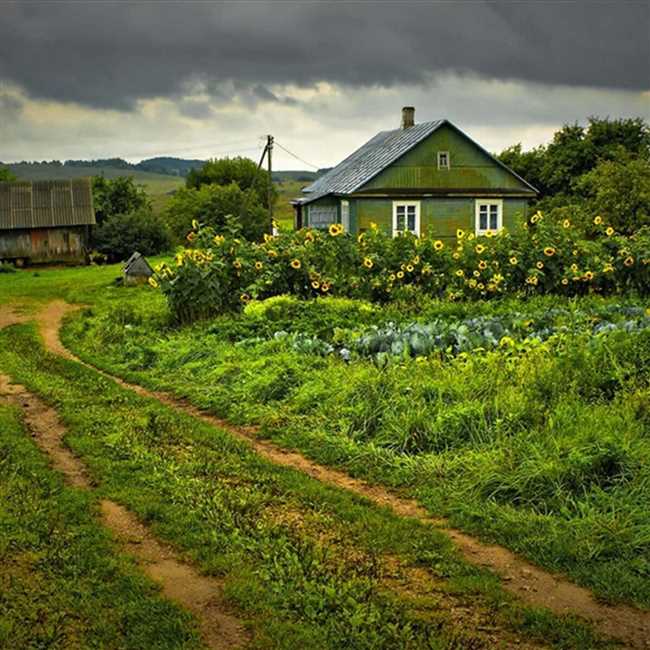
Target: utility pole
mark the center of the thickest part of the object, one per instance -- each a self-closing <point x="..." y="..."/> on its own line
<point x="268" y="152"/>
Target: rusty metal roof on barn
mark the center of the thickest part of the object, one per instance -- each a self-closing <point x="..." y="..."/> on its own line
<point x="369" y="160"/>
<point x="46" y="204"/>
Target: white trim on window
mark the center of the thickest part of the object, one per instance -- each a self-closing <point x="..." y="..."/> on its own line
<point x="444" y="161"/>
<point x="408" y="209"/>
<point x="489" y="209"/>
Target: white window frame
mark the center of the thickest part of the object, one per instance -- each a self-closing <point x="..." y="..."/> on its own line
<point x="397" y="204"/>
<point x="448" y="165"/>
<point x="345" y="215"/>
<point x="477" y="211"/>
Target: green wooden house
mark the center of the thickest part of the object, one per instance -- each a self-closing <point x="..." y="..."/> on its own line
<point x="425" y="178"/>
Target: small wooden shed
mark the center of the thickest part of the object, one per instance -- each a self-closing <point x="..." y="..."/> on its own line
<point x="136" y="269"/>
<point x="46" y="221"/>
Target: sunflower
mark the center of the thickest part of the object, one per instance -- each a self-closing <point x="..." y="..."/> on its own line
<point x="153" y="282"/>
<point x="460" y="233"/>
<point x="628" y="261"/>
<point x="309" y="236"/>
<point x="191" y="236"/>
<point x="218" y="239"/>
<point x="456" y="256"/>
<point x="438" y="245"/>
<point x="476" y="274"/>
<point x="565" y="281"/>
<point x="259" y="266"/>
<point x="598" y="220"/>
<point x="391" y="277"/>
<point x="237" y="264"/>
<point x="416" y="260"/>
<point x="574" y="268"/>
<point x="335" y="229"/>
<point x="460" y="273"/>
<point x="539" y="265"/>
<point x="609" y="231"/>
<point x="368" y="263"/>
<point x="513" y="261"/>
<point x="244" y="297"/>
<point x="482" y="265"/>
<point x="608" y="268"/>
<point x="549" y="251"/>
<point x="272" y="253"/>
<point x="589" y="275"/>
<point x="325" y="287"/>
<point x="489" y="233"/>
<point x="315" y="284"/>
<point x="400" y="274"/>
<point x="480" y="286"/>
<point x="409" y="268"/>
<point x="472" y="283"/>
<point x="295" y="264"/>
<point x="471" y="236"/>
<point x="566" y="224"/>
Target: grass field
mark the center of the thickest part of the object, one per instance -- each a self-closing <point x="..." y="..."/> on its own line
<point x="540" y="447"/>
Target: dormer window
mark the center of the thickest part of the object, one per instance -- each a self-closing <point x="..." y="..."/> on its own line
<point x="443" y="160"/>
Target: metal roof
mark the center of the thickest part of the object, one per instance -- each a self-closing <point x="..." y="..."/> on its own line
<point x="46" y="204"/>
<point x="373" y="157"/>
<point x="370" y="159"/>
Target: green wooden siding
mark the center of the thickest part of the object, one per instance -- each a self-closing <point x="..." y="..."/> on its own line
<point x="470" y="168"/>
<point x="439" y="217"/>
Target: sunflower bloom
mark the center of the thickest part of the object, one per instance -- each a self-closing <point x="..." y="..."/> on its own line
<point x="368" y="263"/>
<point x="628" y="261"/>
<point x="482" y="265"/>
<point x="513" y="261"/>
<point x="295" y="264"/>
<point x="153" y="282"/>
<point x="315" y="284"/>
<point x="566" y="224"/>
<point x="549" y="251"/>
<point x="539" y="265"/>
<point x="259" y="266"/>
<point x="598" y="220"/>
<point x="460" y="233"/>
<point x="438" y="245"/>
<point x="237" y="264"/>
<point x="479" y="248"/>
<point x="460" y="273"/>
<point x="589" y="275"/>
<point x="400" y="274"/>
<point x="609" y="231"/>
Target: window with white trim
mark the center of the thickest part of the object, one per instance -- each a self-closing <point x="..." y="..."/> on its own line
<point x="345" y="215"/>
<point x="489" y="215"/>
<point x="321" y="216"/>
<point x="406" y="217"/>
<point x="443" y="160"/>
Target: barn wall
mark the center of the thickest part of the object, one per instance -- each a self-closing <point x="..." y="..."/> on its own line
<point x="44" y="245"/>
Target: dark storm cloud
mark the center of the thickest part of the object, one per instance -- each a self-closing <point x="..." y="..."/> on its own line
<point x="111" y="55"/>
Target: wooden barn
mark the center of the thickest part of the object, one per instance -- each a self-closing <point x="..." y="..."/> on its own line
<point x="46" y="221"/>
<point x="423" y="178"/>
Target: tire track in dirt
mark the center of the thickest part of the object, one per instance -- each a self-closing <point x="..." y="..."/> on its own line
<point x="180" y="582"/>
<point x="530" y="583"/>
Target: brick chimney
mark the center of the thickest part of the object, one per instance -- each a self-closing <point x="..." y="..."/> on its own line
<point x="408" y="117"/>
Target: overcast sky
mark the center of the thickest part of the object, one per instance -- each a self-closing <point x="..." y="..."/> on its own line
<point x="101" y="79"/>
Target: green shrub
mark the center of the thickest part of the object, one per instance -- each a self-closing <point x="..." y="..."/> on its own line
<point x="122" y="234"/>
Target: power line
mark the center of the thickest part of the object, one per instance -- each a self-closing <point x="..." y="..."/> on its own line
<point x="297" y="157"/>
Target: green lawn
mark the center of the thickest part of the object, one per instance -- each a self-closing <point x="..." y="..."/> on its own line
<point x="63" y="584"/>
<point x="541" y="447"/>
